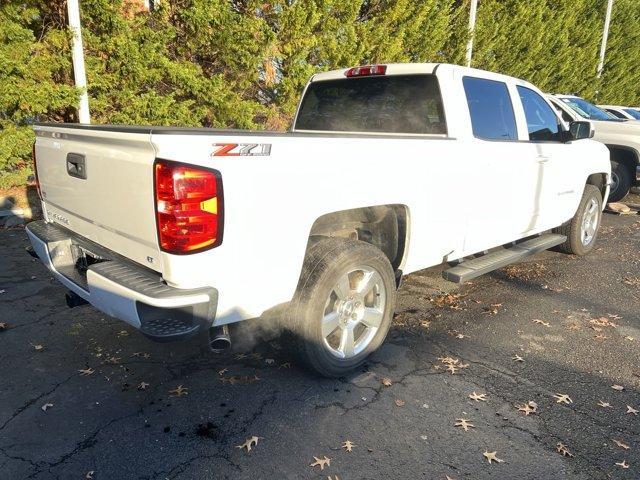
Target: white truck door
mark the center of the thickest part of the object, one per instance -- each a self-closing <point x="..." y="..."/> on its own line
<point x="507" y="180"/>
<point x="558" y="191"/>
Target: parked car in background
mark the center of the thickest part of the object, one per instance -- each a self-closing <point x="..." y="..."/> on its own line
<point x="389" y="169"/>
<point x="626" y="113"/>
<point x="622" y="138"/>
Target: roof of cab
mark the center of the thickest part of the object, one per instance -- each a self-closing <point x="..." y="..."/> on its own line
<point x="419" y="68"/>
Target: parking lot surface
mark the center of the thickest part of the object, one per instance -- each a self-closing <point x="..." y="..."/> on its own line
<point x="85" y="396"/>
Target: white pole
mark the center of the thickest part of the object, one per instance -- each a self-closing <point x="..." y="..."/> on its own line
<point x="77" y="52"/>
<point x="605" y="36"/>
<point x="472" y="27"/>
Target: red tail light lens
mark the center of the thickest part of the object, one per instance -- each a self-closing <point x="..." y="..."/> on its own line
<point x="366" y="71"/>
<point x="189" y="207"/>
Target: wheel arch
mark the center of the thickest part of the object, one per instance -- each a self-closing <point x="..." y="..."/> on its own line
<point x="628" y="156"/>
<point x="598" y="180"/>
<point x="387" y="227"/>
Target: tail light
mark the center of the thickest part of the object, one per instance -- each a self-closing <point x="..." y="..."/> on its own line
<point x="35" y="169"/>
<point x="189" y="207"/>
<point x="366" y="71"/>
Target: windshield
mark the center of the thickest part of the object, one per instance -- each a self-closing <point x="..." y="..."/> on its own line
<point x="409" y="104"/>
<point x="586" y="110"/>
<point x="633" y="112"/>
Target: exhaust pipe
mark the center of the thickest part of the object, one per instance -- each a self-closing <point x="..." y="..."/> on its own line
<point x="219" y="339"/>
<point x="74" y="300"/>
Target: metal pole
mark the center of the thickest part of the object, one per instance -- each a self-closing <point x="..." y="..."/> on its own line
<point x="472" y="27"/>
<point x="605" y="36"/>
<point x="77" y="53"/>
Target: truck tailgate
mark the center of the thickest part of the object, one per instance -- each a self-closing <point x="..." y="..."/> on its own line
<point x="98" y="183"/>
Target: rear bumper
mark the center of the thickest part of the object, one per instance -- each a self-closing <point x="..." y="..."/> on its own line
<point x="121" y="288"/>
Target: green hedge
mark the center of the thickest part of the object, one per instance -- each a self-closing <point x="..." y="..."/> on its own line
<point x="243" y="63"/>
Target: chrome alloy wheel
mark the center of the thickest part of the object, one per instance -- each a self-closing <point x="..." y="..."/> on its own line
<point x="353" y="312"/>
<point x="590" y="220"/>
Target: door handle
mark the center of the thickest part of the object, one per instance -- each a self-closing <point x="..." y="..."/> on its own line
<point x="76" y="166"/>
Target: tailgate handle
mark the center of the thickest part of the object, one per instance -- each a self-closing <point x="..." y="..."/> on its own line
<point x="76" y="166"/>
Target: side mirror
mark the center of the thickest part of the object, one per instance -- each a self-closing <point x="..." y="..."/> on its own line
<point x="579" y="130"/>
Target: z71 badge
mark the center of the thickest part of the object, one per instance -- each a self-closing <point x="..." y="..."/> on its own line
<point x="241" y="149"/>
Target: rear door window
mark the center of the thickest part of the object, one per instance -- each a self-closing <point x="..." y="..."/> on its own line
<point x="490" y="107"/>
<point x="409" y="104"/>
<point x="542" y="122"/>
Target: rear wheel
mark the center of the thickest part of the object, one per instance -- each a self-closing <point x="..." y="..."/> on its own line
<point x="620" y="181"/>
<point x="582" y="229"/>
<point x="344" y="305"/>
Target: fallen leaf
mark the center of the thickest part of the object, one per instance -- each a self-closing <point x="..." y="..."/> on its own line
<point x="464" y="423"/>
<point x="617" y="387"/>
<point x="113" y="360"/>
<point x="561" y="448"/>
<point x="491" y="456"/>
<point x="348" y="445"/>
<point x="600" y="337"/>
<point x="179" y="391"/>
<point x="255" y="356"/>
<point x="448" y="360"/>
<point x="321" y="462"/>
<point x="223" y="371"/>
<point x="4" y="325"/>
<point x="122" y="333"/>
<point x="632" y="410"/>
<point x="251" y="442"/>
<point x="604" y="404"/>
<point x="240" y="356"/>
<point x="335" y="477"/>
<point x="452" y="368"/>
<point x="38" y="347"/>
<point x="386" y="382"/>
<point x="621" y="444"/>
<point x="478" y="397"/>
<point x="46" y="406"/>
<point x="285" y="365"/>
<point x="86" y="371"/>
<point x="143" y="386"/>
<point x="518" y="358"/>
<point x="527" y="408"/>
<point x="541" y="322"/>
<point x="89" y="475"/>
<point x="623" y="464"/>
<point x="562" y="398"/>
<point x="399" y="403"/>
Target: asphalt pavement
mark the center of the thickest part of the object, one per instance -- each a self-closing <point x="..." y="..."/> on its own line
<point x="84" y="396"/>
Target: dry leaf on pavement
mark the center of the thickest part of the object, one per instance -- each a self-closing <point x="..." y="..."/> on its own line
<point x="321" y="462"/>
<point x="179" y="391"/>
<point x="46" y="406"/>
<point x="38" y="347"/>
<point x="529" y="407"/>
<point x="604" y="404"/>
<point x="143" y="386"/>
<point x="348" y="445"/>
<point x="491" y="456"/>
<point x="89" y="475"/>
<point x="617" y="387"/>
<point x="251" y="442"/>
<point x="562" y="398"/>
<point x="386" y="382"/>
<point x="632" y="410"/>
<point x="399" y="403"/>
<point x="518" y="358"/>
<point x="561" y="448"/>
<point x="541" y="322"/>
<point x="4" y="325"/>
<point x="621" y="444"/>
<point x="478" y="397"/>
<point x="464" y="423"/>
<point x="623" y="464"/>
<point x="86" y="371"/>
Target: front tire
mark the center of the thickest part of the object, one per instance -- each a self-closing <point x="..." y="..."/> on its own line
<point x="582" y="230"/>
<point x="343" y="307"/>
<point x="621" y="181"/>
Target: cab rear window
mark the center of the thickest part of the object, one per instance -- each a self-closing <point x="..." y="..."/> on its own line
<point x="400" y="104"/>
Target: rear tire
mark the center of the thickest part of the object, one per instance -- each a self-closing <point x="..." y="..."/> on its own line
<point x="582" y="230"/>
<point x="622" y="180"/>
<point x="343" y="307"/>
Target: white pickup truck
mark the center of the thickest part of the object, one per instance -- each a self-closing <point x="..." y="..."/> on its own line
<point x="388" y="169"/>
<point x="622" y="138"/>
